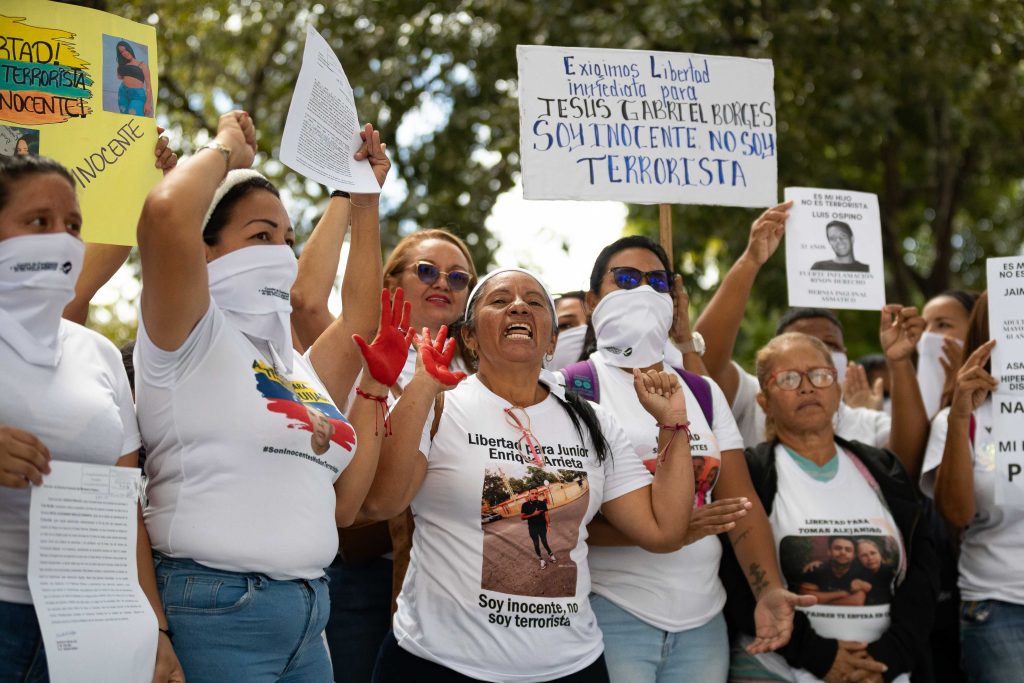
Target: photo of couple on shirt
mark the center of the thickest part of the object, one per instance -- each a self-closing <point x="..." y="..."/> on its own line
<point x="840" y="570"/>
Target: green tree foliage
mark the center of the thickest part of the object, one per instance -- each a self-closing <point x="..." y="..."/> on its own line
<point x="916" y="100"/>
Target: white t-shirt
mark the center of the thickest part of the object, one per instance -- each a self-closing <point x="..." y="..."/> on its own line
<point x="992" y="549"/>
<point x="672" y="591"/>
<point x="82" y="410"/>
<point x="475" y="598"/>
<point x="806" y="515"/>
<point x="868" y="426"/>
<point x="241" y="459"/>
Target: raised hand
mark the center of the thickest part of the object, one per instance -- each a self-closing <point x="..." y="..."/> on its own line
<point x="166" y="159"/>
<point x="766" y="233"/>
<point x="973" y="382"/>
<point x="385" y="357"/>
<point x="436" y="357"/>
<point x="235" y="130"/>
<point x="901" y="328"/>
<point x="375" y="151"/>
<point x="660" y="395"/>
<point x="715" y="518"/>
<point x="680" y="331"/>
<point x="23" y="458"/>
<point x="773" y="618"/>
<point x="858" y="393"/>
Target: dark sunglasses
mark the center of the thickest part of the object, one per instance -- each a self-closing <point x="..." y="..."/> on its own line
<point x="630" y="278"/>
<point x="428" y="273"/>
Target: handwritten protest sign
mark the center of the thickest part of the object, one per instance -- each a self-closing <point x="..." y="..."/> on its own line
<point x="1006" y="326"/>
<point x="834" y="249"/>
<point x="80" y="86"/>
<point x="646" y="127"/>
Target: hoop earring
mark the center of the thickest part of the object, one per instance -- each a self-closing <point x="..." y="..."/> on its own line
<point x="548" y="357"/>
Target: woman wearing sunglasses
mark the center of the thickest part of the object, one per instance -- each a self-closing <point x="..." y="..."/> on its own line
<point x="656" y="628"/>
<point x="435" y="271"/>
<point x="476" y="604"/>
<point x="824" y="497"/>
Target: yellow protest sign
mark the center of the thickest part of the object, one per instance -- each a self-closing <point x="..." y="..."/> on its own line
<point x="80" y="85"/>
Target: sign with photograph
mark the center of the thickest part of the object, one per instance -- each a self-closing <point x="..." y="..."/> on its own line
<point x="834" y="249"/>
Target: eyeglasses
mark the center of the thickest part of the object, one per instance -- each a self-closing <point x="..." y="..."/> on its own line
<point x="630" y="278"/>
<point x="428" y="273"/>
<point x="790" y="380"/>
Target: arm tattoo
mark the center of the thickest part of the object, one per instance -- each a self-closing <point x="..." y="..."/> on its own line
<point x="757" y="578"/>
<point x="740" y="538"/>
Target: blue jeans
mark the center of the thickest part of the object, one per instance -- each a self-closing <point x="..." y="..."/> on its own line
<point x="230" y="626"/>
<point x="992" y="641"/>
<point x="637" y="652"/>
<point x="21" y="645"/>
<point x="360" y="616"/>
<point x="131" y="100"/>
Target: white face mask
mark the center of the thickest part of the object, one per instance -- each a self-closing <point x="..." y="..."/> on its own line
<point x="37" y="280"/>
<point x="568" y="347"/>
<point x="253" y="288"/>
<point x="930" y="375"/>
<point x="632" y="326"/>
<point x="840" y="360"/>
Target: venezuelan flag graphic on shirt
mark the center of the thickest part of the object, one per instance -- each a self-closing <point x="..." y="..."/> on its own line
<point x="310" y="410"/>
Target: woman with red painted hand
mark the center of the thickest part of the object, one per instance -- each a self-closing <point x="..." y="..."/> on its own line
<point x="64" y="395"/>
<point x="475" y="605"/>
<point x="243" y="500"/>
<point x="656" y="628"/>
<point x="823" y="494"/>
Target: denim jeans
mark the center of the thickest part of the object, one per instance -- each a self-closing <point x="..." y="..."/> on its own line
<point x="992" y="641"/>
<point x="230" y="626"/>
<point x="131" y="100"/>
<point x="22" y="659"/>
<point x="360" y="616"/>
<point x="637" y="652"/>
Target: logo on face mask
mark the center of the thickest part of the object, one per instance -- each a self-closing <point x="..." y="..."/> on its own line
<point x="37" y="266"/>
<point x="619" y="352"/>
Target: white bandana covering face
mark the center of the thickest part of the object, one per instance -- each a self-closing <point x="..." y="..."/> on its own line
<point x="930" y="374"/>
<point x="632" y="325"/>
<point x="37" y="280"/>
<point x="568" y="347"/>
<point x="253" y="287"/>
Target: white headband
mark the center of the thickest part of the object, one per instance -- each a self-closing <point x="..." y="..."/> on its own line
<point x="499" y="271"/>
<point x="231" y="180"/>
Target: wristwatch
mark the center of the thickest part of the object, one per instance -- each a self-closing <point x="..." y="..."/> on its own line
<point x="694" y="345"/>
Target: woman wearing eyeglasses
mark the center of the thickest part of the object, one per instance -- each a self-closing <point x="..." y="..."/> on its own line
<point x="662" y="614"/>
<point x="823" y="495"/>
<point x="436" y="271"/>
<point x="475" y="604"/>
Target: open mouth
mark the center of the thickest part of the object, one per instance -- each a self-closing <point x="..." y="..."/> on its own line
<point x="519" y="331"/>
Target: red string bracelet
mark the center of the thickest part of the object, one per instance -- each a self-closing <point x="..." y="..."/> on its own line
<point x="675" y="429"/>
<point x="382" y="402"/>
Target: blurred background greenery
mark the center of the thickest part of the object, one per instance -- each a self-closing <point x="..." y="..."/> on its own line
<point x="918" y="101"/>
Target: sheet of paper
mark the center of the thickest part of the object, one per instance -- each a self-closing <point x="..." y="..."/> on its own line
<point x="1006" y="326"/>
<point x="321" y="132"/>
<point x="96" y="622"/>
<point x="646" y="127"/>
<point x="834" y="249"/>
